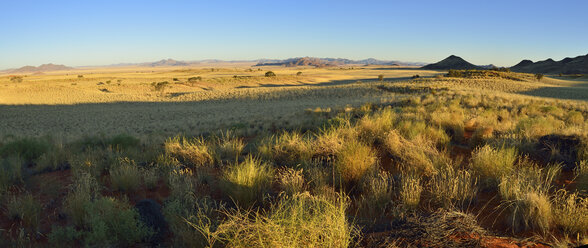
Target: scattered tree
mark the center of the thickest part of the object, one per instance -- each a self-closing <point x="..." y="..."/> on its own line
<point x="80" y="76"/>
<point x="159" y="86"/>
<point x="539" y="76"/>
<point x="16" y="79"/>
<point x="270" y="74"/>
<point x="381" y="77"/>
<point x="299" y="73"/>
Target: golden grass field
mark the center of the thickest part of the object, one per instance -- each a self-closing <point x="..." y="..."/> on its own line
<point x="122" y="100"/>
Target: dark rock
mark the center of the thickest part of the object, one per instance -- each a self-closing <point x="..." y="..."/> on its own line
<point x="151" y="215"/>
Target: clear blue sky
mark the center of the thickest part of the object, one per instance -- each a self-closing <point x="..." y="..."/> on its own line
<point x="77" y="33"/>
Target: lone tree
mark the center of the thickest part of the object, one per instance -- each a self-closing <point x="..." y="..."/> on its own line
<point x="539" y="76"/>
<point x="381" y="77"/>
<point x="299" y="73"/>
<point x="270" y="74"/>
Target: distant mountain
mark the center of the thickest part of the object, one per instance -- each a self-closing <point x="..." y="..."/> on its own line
<point x="452" y="62"/>
<point x="577" y="65"/>
<point x="41" y="68"/>
<point x="324" y="62"/>
<point x="166" y="62"/>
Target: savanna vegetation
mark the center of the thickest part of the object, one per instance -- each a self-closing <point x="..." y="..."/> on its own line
<point x="468" y="158"/>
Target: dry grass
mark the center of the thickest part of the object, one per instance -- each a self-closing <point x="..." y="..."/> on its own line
<point x="246" y="182"/>
<point x="354" y="160"/>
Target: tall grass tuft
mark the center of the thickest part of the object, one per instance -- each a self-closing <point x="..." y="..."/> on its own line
<point x="125" y="175"/>
<point x="247" y="181"/>
<point x="228" y="147"/>
<point x="301" y="220"/>
<point x="377" y="192"/>
<point x="581" y="172"/>
<point x="286" y="149"/>
<point x="25" y="208"/>
<point x="525" y="194"/>
<point x="354" y="160"/>
<point x="451" y="187"/>
<point x="571" y="211"/>
<point x="490" y="164"/>
<point x="291" y="181"/>
<point x="10" y="172"/>
<point x="192" y="152"/>
<point x="410" y="191"/>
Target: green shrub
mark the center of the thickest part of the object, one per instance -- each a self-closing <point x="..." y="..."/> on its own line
<point x="302" y="220"/>
<point x="64" y="236"/>
<point x="84" y="190"/>
<point x="27" y="148"/>
<point x="25" y="208"/>
<point x="181" y="184"/>
<point x="56" y="158"/>
<point x="194" y="152"/>
<point x="123" y="141"/>
<point x="110" y="222"/>
<point x="538" y="126"/>
<point x="491" y="164"/>
<point x="204" y="212"/>
<point x="125" y="175"/>
<point x="246" y="182"/>
<point x="354" y="160"/>
<point x="10" y="172"/>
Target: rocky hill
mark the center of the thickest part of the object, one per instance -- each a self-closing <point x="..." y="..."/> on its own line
<point x="577" y="65"/>
<point x="41" y="68"/>
<point x="452" y="62"/>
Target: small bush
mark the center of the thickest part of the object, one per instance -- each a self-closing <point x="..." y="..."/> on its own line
<point x="10" y="172"/>
<point x="27" y="148"/>
<point x="299" y="73"/>
<point x="150" y="178"/>
<point x="491" y="164"/>
<point x="110" y="222"/>
<point x="581" y="172"/>
<point x="125" y="175"/>
<point x="194" y="79"/>
<point x="83" y="190"/>
<point x="124" y="141"/>
<point x="159" y="86"/>
<point x="354" y="160"/>
<point x="539" y="76"/>
<point x="270" y="74"/>
<point x="381" y="77"/>
<point x="194" y="152"/>
<point x="56" y="158"/>
<point x="247" y="181"/>
<point x="25" y="208"/>
<point x="64" y="236"/>
<point x="538" y="126"/>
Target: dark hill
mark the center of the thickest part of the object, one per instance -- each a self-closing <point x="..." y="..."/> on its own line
<point x="452" y="62"/>
<point x="41" y="68"/>
<point x="577" y="65"/>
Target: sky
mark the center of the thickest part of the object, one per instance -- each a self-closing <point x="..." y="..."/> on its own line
<point x="80" y="33"/>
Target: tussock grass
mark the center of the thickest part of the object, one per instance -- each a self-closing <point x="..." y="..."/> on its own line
<point x="10" y="172"/>
<point x="286" y="149"/>
<point x="329" y="140"/>
<point x="192" y="152"/>
<point x="228" y="147"/>
<point x="83" y="190"/>
<point x="571" y="213"/>
<point x="410" y="156"/>
<point x="125" y="175"/>
<point x="372" y="128"/>
<point x="452" y="187"/>
<point x="490" y="164"/>
<point x="377" y="192"/>
<point x="291" y="181"/>
<point x="354" y="160"/>
<point x="410" y="191"/>
<point x="27" y="148"/>
<point x="24" y="208"/>
<point x="525" y="194"/>
<point x="301" y="220"/>
<point x="581" y="172"/>
<point x="247" y="181"/>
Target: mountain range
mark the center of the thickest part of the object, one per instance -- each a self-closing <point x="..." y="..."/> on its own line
<point x="41" y="68"/>
<point x="324" y="62"/>
<point x="577" y="65"/>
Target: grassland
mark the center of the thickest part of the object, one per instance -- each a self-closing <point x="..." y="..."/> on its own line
<point x="329" y="157"/>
